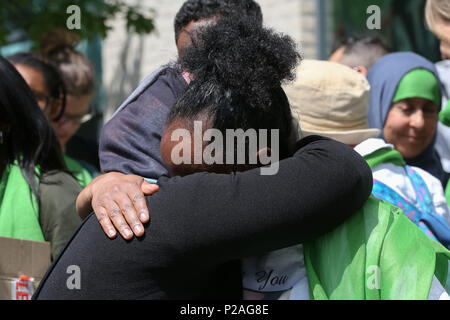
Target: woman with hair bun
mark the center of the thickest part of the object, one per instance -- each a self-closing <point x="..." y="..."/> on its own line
<point x="49" y="90"/>
<point x="79" y="81"/>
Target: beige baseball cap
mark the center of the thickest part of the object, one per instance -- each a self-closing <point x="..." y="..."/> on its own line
<point x="331" y="100"/>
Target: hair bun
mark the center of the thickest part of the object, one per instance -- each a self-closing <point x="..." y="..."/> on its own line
<point x="244" y="57"/>
<point x="58" y="40"/>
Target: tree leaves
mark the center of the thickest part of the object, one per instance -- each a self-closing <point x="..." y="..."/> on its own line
<point x="32" y="19"/>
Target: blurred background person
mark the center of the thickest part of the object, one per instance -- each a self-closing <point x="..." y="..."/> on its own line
<point x="405" y="100"/>
<point x="48" y="88"/>
<point x="79" y="81"/>
<point x="360" y="53"/>
<point x="437" y="14"/>
<point x="37" y="194"/>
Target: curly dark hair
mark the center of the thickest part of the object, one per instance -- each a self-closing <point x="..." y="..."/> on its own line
<point x="194" y="10"/>
<point x="238" y="68"/>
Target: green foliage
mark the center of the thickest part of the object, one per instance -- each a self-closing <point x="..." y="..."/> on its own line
<point x="37" y="17"/>
<point x="402" y="24"/>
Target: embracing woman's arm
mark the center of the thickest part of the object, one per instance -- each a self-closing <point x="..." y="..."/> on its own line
<point x="218" y="217"/>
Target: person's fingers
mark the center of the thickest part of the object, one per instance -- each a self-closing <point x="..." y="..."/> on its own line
<point x="141" y="206"/>
<point x="115" y="214"/>
<point x="105" y="222"/>
<point x="127" y="207"/>
<point x="139" y="200"/>
<point x="149" y="188"/>
<point x="121" y="198"/>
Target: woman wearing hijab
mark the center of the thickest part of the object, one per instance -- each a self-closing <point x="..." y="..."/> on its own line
<point x="406" y="86"/>
<point x="405" y="101"/>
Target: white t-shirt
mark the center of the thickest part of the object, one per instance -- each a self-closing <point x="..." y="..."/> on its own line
<point x="273" y="275"/>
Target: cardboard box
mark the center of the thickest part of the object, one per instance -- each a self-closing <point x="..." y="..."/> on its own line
<point x="22" y="265"/>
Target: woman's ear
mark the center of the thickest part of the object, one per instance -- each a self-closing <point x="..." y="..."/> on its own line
<point x="362" y="70"/>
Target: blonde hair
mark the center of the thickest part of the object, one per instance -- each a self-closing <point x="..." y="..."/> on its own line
<point x="435" y="9"/>
<point x="77" y="71"/>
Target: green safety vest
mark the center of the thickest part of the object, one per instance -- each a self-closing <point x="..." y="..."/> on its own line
<point x="376" y="254"/>
<point x="81" y="174"/>
<point x="19" y="208"/>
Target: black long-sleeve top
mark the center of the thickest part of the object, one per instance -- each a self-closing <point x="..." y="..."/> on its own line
<point x="202" y="224"/>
